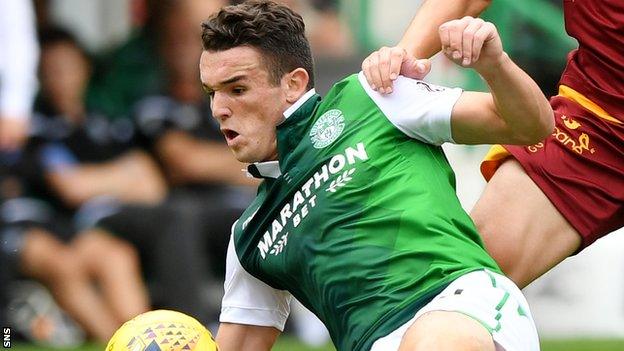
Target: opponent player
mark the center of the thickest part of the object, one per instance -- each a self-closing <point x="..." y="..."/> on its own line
<point x="357" y="215"/>
<point x="573" y="181"/>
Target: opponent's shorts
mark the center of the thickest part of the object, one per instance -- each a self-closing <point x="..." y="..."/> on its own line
<point x="580" y="167"/>
<point x="489" y="298"/>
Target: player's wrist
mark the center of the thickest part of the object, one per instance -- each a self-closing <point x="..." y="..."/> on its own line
<point x="491" y="68"/>
<point x="410" y="48"/>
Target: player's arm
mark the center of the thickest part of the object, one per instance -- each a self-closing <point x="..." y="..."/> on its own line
<point x="421" y="37"/>
<point x="515" y="111"/>
<point x="421" y="40"/>
<point x="240" y="337"/>
<point x="253" y="314"/>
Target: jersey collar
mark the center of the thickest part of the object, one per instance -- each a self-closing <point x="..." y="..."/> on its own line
<point x="271" y="169"/>
<point x="268" y="169"/>
<point x="302" y="100"/>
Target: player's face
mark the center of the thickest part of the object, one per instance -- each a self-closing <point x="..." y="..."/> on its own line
<point x="244" y="102"/>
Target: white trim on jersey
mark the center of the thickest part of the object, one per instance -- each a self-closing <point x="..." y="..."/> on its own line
<point x="302" y="100"/>
<point x="266" y="169"/>
<point x="420" y="110"/>
<point x="249" y="301"/>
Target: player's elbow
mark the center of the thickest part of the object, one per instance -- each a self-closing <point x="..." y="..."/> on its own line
<point x="540" y="126"/>
<point x="545" y="123"/>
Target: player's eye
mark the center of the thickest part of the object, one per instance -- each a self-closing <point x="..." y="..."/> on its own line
<point x="208" y="91"/>
<point x="238" y="90"/>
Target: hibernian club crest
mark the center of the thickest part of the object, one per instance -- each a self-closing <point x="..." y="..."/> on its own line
<point x="327" y="128"/>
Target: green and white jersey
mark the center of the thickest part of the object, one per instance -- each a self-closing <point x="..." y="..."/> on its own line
<point x="358" y="220"/>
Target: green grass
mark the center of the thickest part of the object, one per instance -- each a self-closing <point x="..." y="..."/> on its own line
<point x="291" y="344"/>
<point x="583" y="345"/>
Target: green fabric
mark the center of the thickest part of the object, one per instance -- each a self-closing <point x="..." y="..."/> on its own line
<point x="363" y="232"/>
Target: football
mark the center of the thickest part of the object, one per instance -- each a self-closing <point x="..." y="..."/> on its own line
<point x="162" y="330"/>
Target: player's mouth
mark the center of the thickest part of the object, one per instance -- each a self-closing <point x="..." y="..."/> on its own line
<point x="229" y="134"/>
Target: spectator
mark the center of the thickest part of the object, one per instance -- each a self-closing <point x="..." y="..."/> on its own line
<point x="135" y="69"/>
<point x="207" y="185"/>
<point x="18" y="62"/>
<point x="81" y="163"/>
<point x="88" y="137"/>
<point x="329" y="34"/>
<point x="95" y="156"/>
<point x="178" y="122"/>
<point x="36" y="244"/>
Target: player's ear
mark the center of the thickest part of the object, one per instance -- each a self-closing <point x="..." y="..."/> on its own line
<point x="296" y="84"/>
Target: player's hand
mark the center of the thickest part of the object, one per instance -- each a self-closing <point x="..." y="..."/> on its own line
<point x="383" y="66"/>
<point x="13" y="133"/>
<point x="471" y="42"/>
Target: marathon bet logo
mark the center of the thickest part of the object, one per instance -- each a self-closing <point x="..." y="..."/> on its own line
<point x="327" y="128"/>
<point x="304" y="200"/>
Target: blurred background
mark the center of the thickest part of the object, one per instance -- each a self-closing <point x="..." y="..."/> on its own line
<point x="117" y="190"/>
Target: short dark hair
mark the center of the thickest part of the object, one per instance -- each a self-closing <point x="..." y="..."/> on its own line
<point x="49" y="36"/>
<point x="275" y="30"/>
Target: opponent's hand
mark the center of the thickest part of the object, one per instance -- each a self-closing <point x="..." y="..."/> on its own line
<point x="383" y="66"/>
<point x="471" y="42"/>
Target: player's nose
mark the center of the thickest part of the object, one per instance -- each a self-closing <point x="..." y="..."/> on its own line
<point x="220" y="108"/>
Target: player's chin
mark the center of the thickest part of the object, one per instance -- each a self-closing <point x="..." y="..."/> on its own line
<point x="243" y="155"/>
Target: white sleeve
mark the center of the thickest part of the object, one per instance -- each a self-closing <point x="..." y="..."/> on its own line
<point x="420" y="110"/>
<point x="249" y="301"/>
<point x="19" y="54"/>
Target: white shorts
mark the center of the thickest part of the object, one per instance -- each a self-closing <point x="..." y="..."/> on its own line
<point x="491" y="299"/>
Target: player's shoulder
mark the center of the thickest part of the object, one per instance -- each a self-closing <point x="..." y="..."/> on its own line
<point x="405" y="84"/>
<point x="357" y="83"/>
<point x="348" y="82"/>
<point x="345" y="89"/>
<point x="408" y="92"/>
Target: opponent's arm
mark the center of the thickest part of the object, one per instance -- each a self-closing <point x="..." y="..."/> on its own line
<point x="240" y="337"/>
<point x="515" y="112"/>
<point x="421" y="40"/>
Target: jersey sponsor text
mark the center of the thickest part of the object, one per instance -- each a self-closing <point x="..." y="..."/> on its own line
<point x="304" y="199"/>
